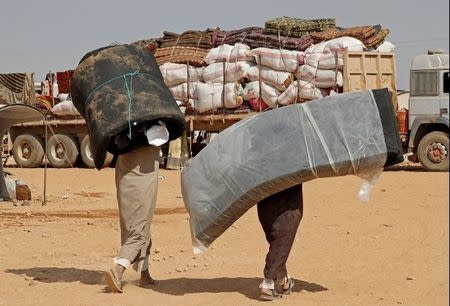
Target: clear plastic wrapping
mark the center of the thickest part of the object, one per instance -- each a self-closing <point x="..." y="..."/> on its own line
<point x="272" y="151"/>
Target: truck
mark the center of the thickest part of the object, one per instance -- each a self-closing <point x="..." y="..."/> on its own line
<point x="424" y="125"/>
<point x="425" y="138"/>
<point x="67" y="136"/>
<point x="67" y="142"/>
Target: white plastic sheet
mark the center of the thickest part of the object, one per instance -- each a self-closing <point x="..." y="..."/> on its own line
<point x="272" y="151"/>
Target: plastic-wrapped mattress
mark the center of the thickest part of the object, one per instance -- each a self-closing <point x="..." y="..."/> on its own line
<point x="352" y="133"/>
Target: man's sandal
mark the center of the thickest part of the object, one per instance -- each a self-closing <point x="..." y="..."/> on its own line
<point x="287" y="286"/>
<point x="113" y="281"/>
<point x="269" y="295"/>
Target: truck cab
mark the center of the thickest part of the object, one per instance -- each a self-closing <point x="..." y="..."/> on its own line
<point x="428" y="118"/>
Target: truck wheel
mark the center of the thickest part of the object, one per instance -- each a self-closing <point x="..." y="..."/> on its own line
<point x="62" y="151"/>
<point x="28" y="151"/>
<point x="433" y="151"/>
<point x="86" y="154"/>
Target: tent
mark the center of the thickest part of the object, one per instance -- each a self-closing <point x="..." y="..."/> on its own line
<point x="10" y="115"/>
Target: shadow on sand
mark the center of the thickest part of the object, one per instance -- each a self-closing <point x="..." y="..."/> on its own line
<point x="242" y="285"/>
<point x="58" y="275"/>
<point x="176" y="286"/>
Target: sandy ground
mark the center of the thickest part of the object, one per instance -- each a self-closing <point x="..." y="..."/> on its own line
<point x="391" y="251"/>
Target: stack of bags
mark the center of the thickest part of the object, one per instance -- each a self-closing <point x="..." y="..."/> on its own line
<point x="324" y="62"/>
<point x="205" y="88"/>
<point x="273" y="74"/>
<point x="290" y="60"/>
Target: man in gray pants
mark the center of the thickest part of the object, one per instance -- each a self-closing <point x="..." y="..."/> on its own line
<point x="280" y="215"/>
<point x="137" y="187"/>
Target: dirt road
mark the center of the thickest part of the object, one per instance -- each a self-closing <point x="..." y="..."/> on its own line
<point x="391" y="251"/>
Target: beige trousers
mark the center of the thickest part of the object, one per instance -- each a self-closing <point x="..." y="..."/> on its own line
<point x="137" y="186"/>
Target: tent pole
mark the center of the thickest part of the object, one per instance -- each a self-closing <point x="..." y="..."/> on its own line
<point x="45" y="164"/>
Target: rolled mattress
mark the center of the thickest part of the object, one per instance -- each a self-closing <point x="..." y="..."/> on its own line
<point x="120" y="92"/>
<point x="352" y="133"/>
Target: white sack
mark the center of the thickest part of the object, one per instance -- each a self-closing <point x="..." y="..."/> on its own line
<point x="175" y="74"/>
<point x="281" y="60"/>
<point x="279" y="79"/>
<point x="305" y="91"/>
<point x="209" y="96"/>
<point x="321" y="78"/>
<point x="65" y="108"/>
<point x="180" y="92"/>
<point x="386" y="46"/>
<point x="237" y="52"/>
<point x="234" y="71"/>
<point x="269" y="93"/>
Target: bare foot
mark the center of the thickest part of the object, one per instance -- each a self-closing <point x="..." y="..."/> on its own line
<point x="146" y="279"/>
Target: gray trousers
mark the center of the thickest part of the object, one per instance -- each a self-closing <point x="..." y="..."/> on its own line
<point x="137" y="186"/>
<point x="280" y="215"/>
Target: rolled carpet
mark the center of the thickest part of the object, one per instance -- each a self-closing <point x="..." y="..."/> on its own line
<point x="181" y="55"/>
<point x="255" y="38"/>
<point x="120" y="92"/>
<point x="198" y="39"/>
<point x="351" y="133"/>
<point x="297" y="27"/>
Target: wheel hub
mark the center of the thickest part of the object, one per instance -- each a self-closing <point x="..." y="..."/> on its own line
<point x="60" y="150"/>
<point x="26" y="151"/>
<point x="437" y="152"/>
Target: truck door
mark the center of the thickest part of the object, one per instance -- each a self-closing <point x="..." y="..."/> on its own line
<point x="444" y="104"/>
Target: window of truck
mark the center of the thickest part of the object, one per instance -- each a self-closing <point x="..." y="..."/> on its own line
<point x="424" y="83"/>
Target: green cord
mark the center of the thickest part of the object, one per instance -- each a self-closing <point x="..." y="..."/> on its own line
<point x="128" y="78"/>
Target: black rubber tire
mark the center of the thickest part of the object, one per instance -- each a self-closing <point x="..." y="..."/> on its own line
<point x="62" y="151"/>
<point x="28" y="151"/>
<point x="429" y="139"/>
<point x="86" y="154"/>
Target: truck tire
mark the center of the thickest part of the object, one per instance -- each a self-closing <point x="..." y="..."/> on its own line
<point x="62" y="151"/>
<point x="86" y="154"/>
<point x="28" y="151"/>
<point x="433" y="151"/>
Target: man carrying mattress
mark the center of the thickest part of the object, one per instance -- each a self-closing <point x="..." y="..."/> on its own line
<point x="280" y="215"/>
<point x="346" y="134"/>
<point x="137" y="185"/>
<point x="129" y="112"/>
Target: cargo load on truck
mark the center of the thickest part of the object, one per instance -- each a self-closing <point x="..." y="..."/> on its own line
<point x="289" y="60"/>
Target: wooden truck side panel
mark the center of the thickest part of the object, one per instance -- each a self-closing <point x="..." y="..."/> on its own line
<point x="370" y="70"/>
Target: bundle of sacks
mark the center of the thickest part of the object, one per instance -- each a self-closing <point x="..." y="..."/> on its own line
<point x="324" y="62"/>
<point x="218" y="85"/>
<point x="265" y="77"/>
